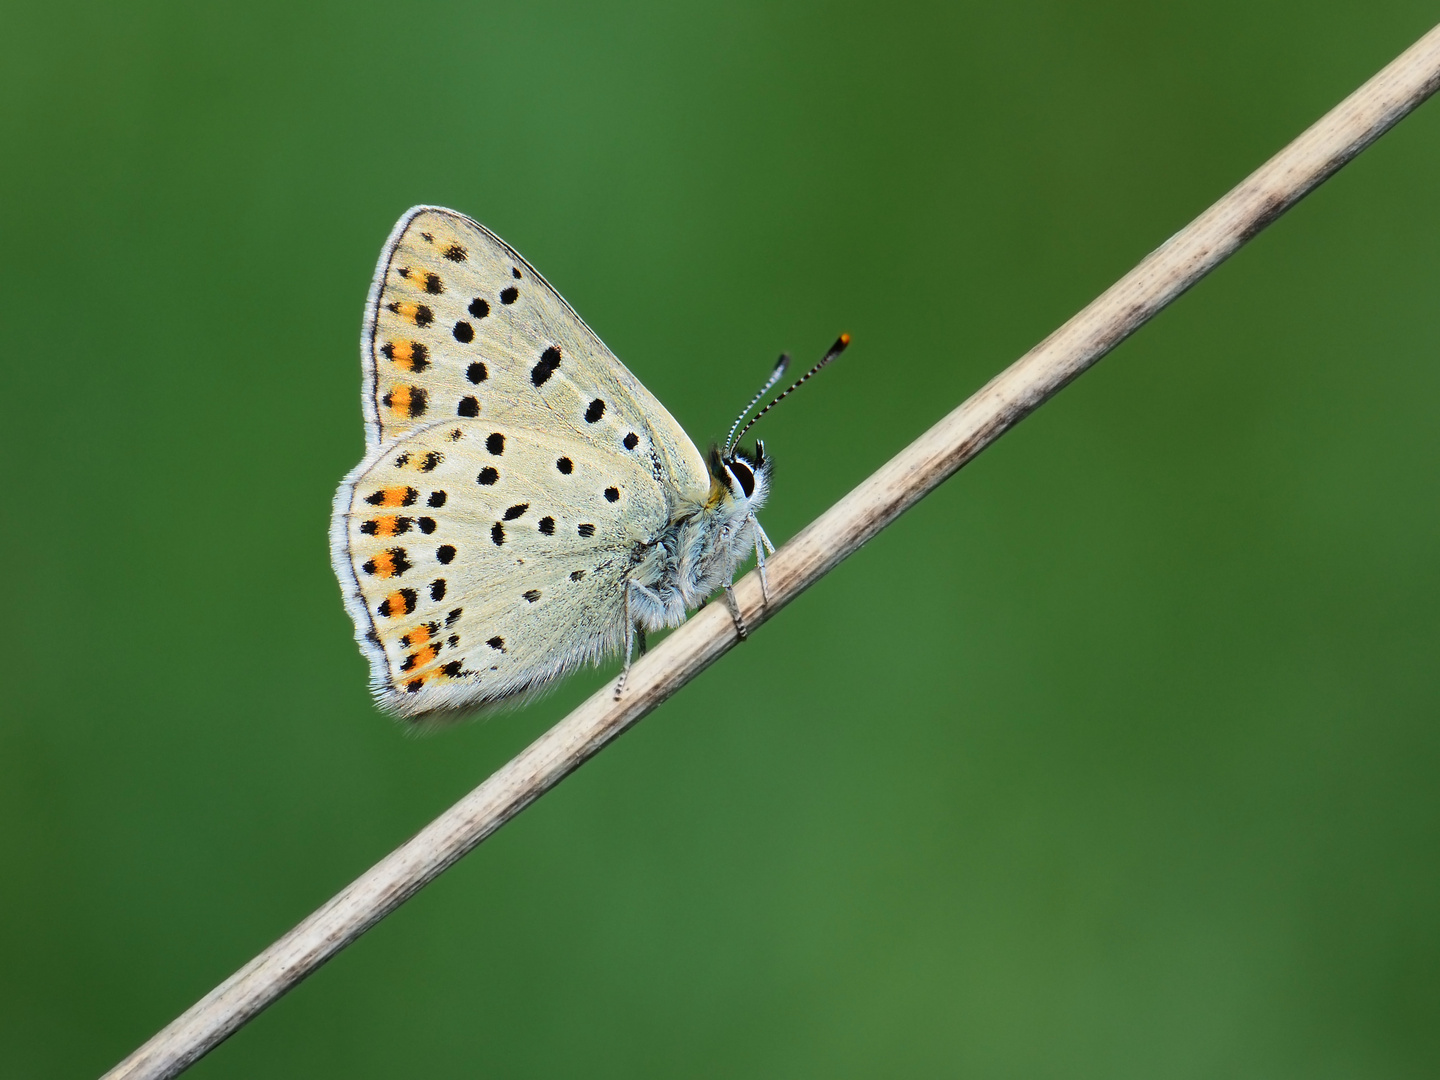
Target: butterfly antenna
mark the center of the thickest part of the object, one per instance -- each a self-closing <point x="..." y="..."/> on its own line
<point x="780" y="366"/>
<point x="835" y="350"/>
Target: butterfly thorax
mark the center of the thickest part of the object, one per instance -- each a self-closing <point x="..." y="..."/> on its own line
<point x="699" y="550"/>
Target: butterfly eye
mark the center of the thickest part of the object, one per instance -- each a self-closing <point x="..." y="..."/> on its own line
<point x="741" y="472"/>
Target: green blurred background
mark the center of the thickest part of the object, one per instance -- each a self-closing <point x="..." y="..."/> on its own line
<point x="1117" y="757"/>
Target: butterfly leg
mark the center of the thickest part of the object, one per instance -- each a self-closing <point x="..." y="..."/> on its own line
<point x="630" y="629"/>
<point x="761" y="533"/>
<point x="740" y="627"/>
<point x="761" y="538"/>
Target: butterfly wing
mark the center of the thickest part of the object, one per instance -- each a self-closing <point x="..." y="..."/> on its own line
<point x="482" y="558"/>
<point x="459" y="326"/>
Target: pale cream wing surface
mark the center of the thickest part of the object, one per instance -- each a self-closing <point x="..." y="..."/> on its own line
<point x="459" y="326"/>
<point x="480" y="558"/>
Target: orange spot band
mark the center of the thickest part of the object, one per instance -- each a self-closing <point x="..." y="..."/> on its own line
<point x="396" y="496"/>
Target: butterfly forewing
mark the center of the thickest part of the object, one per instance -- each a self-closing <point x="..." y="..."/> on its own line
<point x="459" y="326"/>
<point x="486" y="557"/>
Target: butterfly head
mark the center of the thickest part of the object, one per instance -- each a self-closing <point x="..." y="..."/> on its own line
<point x="740" y="477"/>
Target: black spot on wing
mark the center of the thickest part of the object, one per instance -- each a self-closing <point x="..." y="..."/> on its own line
<point x="437" y="499"/>
<point x="437" y="590"/>
<point x="631" y="441"/>
<point x="549" y="361"/>
<point x="463" y="332"/>
<point x="487" y="476"/>
<point x="586" y="530"/>
<point x="509" y="294"/>
<point x="479" y="307"/>
<point x="468" y="407"/>
<point x="427" y="525"/>
<point x="547" y="525"/>
<point x="516" y="510"/>
<point x="565" y="465"/>
<point x="595" y="411"/>
<point x="477" y="372"/>
<point x="497" y="533"/>
<point x="612" y="494"/>
<point x="495" y="444"/>
<point x="445" y="553"/>
<point x="531" y="595"/>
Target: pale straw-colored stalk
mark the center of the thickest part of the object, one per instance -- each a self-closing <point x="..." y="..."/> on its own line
<point x="1161" y="277"/>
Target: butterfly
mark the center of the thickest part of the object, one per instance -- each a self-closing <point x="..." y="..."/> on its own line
<point x="525" y="506"/>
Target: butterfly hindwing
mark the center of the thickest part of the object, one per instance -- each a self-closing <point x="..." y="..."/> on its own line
<point x="481" y="558"/>
<point x="459" y="326"/>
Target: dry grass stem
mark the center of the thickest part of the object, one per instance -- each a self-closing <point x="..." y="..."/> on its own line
<point x="909" y="476"/>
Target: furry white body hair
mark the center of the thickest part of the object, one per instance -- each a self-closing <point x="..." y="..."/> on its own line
<point x="700" y="550"/>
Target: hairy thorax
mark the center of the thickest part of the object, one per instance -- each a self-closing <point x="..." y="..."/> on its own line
<point x="696" y="554"/>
